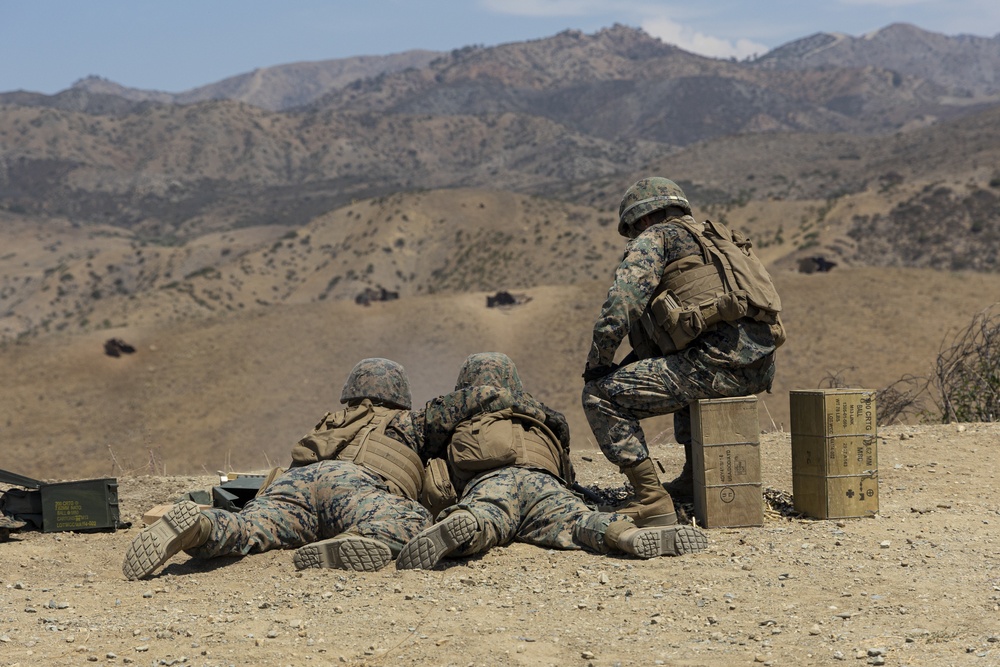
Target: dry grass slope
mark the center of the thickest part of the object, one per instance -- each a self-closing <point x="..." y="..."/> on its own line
<point x="236" y="390"/>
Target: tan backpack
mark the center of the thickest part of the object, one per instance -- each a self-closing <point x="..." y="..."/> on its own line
<point x="504" y="438"/>
<point x="725" y="283"/>
<point x="357" y="434"/>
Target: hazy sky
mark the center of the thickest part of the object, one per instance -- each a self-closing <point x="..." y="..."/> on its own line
<point x="176" y="45"/>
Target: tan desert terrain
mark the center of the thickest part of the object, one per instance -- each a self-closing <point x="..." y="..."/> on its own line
<point x="239" y="352"/>
<point x="228" y="244"/>
<point x="917" y="585"/>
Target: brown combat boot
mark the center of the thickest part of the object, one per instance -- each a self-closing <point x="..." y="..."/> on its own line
<point x="652" y="505"/>
<point x="654" y="541"/>
<point x="347" y="551"/>
<point x="182" y="527"/>
<point x="427" y="549"/>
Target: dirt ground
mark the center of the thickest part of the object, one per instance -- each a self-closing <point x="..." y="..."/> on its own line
<point x="917" y="585"/>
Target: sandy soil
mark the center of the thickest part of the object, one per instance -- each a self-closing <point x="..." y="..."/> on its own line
<point x="917" y="585"/>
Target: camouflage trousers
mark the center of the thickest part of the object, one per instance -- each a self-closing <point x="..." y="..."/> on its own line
<point x="657" y="386"/>
<point x="311" y="503"/>
<point x="530" y="506"/>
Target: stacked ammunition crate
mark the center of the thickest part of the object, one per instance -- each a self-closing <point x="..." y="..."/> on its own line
<point x="834" y="453"/>
<point x="726" y="462"/>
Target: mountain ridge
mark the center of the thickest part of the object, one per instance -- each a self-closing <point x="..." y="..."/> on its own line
<point x="185" y="197"/>
<point x="965" y="64"/>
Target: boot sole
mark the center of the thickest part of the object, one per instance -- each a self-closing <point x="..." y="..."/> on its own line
<point x="155" y="545"/>
<point x="428" y="548"/>
<point x="344" y="553"/>
<point x="669" y="541"/>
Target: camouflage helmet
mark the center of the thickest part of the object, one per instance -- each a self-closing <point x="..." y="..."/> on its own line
<point x="646" y="196"/>
<point x="380" y="380"/>
<point x="489" y="369"/>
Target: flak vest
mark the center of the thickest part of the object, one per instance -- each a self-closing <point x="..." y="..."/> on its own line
<point x="358" y="434"/>
<point x="501" y="439"/>
<point x="724" y="283"/>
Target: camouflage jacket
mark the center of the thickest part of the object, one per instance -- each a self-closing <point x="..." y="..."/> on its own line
<point x="427" y="431"/>
<point x="488" y="382"/>
<point x="636" y="279"/>
<point x="338" y="429"/>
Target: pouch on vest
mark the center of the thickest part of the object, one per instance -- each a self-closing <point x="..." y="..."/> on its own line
<point x="778" y="331"/>
<point x="398" y="465"/>
<point x="485" y="442"/>
<point x="357" y="434"/>
<point x="438" y="492"/>
<point x="548" y="452"/>
<point x="684" y="325"/>
<point x="500" y="439"/>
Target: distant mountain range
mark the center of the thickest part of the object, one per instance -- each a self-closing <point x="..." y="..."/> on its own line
<point x="828" y="144"/>
<point x="965" y="66"/>
<point x="275" y="88"/>
<point x="529" y="116"/>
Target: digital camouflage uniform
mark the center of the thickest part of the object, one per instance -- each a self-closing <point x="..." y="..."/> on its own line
<point x="514" y="503"/>
<point x="311" y="502"/>
<point x="734" y="359"/>
<point x="319" y="501"/>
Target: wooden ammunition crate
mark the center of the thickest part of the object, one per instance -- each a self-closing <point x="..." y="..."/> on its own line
<point x="832" y="411"/>
<point x="725" y="454"/>
<point x="834" y="453"/>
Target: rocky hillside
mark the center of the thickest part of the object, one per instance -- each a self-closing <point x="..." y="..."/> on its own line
<point x="622" y="83"/>
<point x="927" y="198"/>
<point x="568" y="116"/>
<point x="482" y="169"/>
<point x="407" y="245"/>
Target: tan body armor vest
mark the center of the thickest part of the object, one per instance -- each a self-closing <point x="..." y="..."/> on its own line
<point x="500" y="439"/>
<point x="724" y="283"/>
<point x="358" y="434"/>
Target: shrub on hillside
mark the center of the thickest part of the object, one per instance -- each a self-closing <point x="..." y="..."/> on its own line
<point x="967" y="372"/>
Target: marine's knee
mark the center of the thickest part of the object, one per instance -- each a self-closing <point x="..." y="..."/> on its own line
<point x="591" y="393"/>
